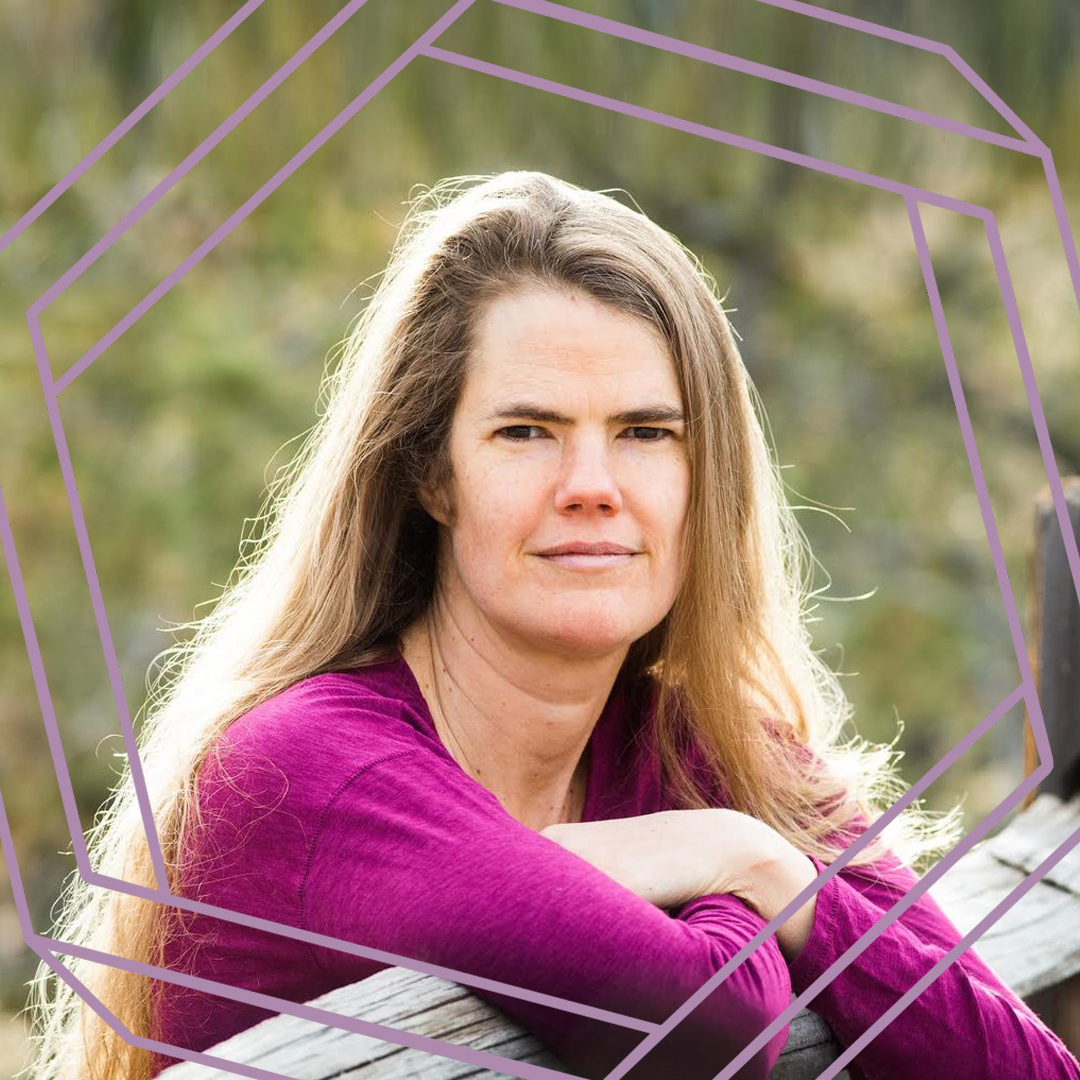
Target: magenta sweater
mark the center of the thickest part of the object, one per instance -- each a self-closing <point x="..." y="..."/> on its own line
<point x="334" y="807"/>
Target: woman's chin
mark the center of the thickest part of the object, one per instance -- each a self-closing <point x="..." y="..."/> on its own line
<point x="583" y="636"/>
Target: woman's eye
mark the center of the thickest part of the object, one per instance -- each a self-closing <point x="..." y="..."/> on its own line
<point x="520" y="432"/>
<point x="649" y="434"/>
<point x="526" y="432"/>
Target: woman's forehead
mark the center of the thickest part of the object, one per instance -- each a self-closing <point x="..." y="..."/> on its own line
<point x="544" y="341"/>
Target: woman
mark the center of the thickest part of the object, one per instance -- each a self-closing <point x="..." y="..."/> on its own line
<point x="518" y="683"/>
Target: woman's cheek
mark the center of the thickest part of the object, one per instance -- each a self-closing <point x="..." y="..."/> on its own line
<point x="514" y="490"/>
<point x="500" y="516"/>
<point x="668" y="494"/>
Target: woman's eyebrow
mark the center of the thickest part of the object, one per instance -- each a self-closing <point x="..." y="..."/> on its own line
<point x="646" y="414"/>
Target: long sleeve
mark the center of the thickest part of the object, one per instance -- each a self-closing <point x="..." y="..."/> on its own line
<point x="966" y="1025"/>
<point x="411" y="856"/>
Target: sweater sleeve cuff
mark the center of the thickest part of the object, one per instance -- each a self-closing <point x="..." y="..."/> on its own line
<point x="818" y="952"/>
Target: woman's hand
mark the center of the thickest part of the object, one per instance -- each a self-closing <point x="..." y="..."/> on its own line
<point x="675" y="856"/>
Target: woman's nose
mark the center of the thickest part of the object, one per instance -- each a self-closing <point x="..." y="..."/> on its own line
<point x="587" y="480"/>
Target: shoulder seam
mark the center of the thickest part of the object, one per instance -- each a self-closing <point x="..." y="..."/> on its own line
<point x="313" y="842"/>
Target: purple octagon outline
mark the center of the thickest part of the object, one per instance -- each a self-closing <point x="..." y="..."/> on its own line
<point x="47" y="948"/>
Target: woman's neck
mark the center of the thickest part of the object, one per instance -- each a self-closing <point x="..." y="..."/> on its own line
<point x="517" y="725"/>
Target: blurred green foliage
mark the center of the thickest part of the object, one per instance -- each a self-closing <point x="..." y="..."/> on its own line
<point x="172" y="430"/>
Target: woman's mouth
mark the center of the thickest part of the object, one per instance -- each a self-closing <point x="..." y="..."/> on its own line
<point x="588" y="554"/>
<point x="579" y="560"/>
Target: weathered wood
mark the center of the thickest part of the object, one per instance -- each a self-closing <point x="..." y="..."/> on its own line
<point x="1021" y="948"/>
<point x="403" y="999"/>
<point x="1036" y="944"/>
<point x="426" y="1005"/>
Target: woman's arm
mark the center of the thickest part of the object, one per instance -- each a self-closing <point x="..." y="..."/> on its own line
<point x="414" y="858"/>
<point x="966" y="1025"/>
<point x="672" y="857"/>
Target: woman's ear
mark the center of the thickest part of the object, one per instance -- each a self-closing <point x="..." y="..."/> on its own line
<point x="433" y="500"/>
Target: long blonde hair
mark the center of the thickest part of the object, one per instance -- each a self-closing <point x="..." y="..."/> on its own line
<point x="346" y="561"/>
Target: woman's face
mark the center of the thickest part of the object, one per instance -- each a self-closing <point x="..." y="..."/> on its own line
<point x="569" y="434"/>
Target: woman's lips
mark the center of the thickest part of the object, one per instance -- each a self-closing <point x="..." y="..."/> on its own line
<point x="581" y="561"/>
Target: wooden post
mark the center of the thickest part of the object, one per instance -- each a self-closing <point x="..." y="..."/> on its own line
<point x="1033" y="637"/>
<point x="1054" y="652"/>
<point x="1054" y="645"/>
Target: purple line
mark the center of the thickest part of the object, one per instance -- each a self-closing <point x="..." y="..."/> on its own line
<point x="37" y="668"/>
<point x="999" y="106"/>
<point x="897" y="187"/>
<point x="968" y="435"/>
<point x="955" y="952"/>
<point x="7" y="846"/>
<point x="340" y="945"/>
<point x="911" y="194"/>
<point x="1038" y="725"/>
<point x="78" y="840"/>
<point x="1000" y="262"/>
<point x="104" y="881"/>
<point x="124" y="1032"/>
<point x="925" y="44"/>
<point x="185" y="166"/>
<point x="127" y="124"/>
<point x="83" y="992"/>
<point x="383" y="1032"/>
<point x="926" y="882"/>
<point x="764" y="71"/>
<point x="1062" y="215"/>
<point x="1023" y="357"/>
<point x="267" y="189"/>
<point x="864" y="27"/>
